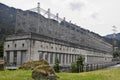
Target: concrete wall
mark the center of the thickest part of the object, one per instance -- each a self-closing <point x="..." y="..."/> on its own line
<point x="34" y="48"/>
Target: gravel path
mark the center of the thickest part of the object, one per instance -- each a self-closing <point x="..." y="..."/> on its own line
<point x="114" y="67"/>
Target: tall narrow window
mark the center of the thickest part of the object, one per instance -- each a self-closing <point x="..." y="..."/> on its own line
<point x="70" y="58"/>
<point x="40" y="55"/>
<point x="15" y="58"/>
<point x="23" y="56"/>
<point x="23" y="45"/>
<point x="51" y="58"/>
<point x="8" y="57"/>
<point x="67" y="58"/>
<point x="8" y="45"/>
<point x="15" y="45"/>
<point x="46" y="56"/>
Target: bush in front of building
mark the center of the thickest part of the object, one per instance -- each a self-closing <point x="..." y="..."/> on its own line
<point x="80" y="64"/>
<point x="77" y="66"/>
<point x="56" y="65"/>
<point x="116" y="54"/>
<point x="1" y="48"/>
<point x="44" y="72"/>
<point x="33" y="64"/>
<point x="73" y="67"/>
<point x="2" y="65"/>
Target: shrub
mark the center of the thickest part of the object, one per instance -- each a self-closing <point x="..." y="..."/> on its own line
<point x="56" y="66"/>
<point x="78" y="65"/>
<point x="2" y="65"/>
<point x="43" y="71"/>
<point x="33" y="64"/>
<point x="73" y="67"/>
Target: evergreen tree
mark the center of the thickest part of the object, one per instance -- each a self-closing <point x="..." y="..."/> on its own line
<point x="116" y="54"/>
<point x="56" y="66"/>
<point x="1" y="49"/>
<point x="79" y="63"/>
<point x="77" y="66"/>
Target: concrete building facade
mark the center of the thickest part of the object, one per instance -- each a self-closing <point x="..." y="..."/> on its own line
<point x="31" y="47"/>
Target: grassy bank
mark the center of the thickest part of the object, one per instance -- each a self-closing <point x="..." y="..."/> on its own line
<point x="16" y="75"/>
<point x="94" y="75"/>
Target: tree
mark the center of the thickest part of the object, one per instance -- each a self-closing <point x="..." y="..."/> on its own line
<point x="116" y="54"/>
<point x="77" y="66"/>
<point x="74" y="67"/>
<point x="1" y="49"/>
<point x="80" y="64"/>
<point x="56" y="66"/>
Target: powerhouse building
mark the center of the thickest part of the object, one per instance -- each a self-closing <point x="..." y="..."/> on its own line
<point x="38" y="37"/>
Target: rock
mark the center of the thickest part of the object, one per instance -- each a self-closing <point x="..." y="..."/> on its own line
<point x="44" y="71"/>
<point x="33" y="64"/>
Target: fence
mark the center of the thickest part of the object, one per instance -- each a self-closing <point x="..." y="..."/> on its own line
<point x="91" y="67"/>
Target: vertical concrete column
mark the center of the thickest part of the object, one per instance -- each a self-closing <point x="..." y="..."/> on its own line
<point x="5" y="54"/>
<point x="11" y="57"/>
<point x="86" y="58"/>
<point x="74" y="58"/>
<point x="53" y="58"/>
<point x="71" y="58"/>
<point x="18" y="57"/>
<point x="28" y="50"/>
<point x="68" y="60"/>
<point x="65" y="59"/>
<point x="61" y="59"/>
<point x="48" y="57"/>
<point x="44" y="55"/>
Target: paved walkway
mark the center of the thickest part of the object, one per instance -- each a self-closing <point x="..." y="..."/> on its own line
<point x="114" y="67"/>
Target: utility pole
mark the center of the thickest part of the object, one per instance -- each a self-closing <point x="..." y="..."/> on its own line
<point x="38" y="10"/>
<point x="114" y="38"/>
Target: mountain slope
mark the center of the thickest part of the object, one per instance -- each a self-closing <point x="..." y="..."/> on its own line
<point x="111" y="36"/>
<point x="7" y="20"/>
<point x="109" y="39"/>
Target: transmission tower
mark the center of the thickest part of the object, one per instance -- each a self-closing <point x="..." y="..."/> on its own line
<point x="114" y="38"/>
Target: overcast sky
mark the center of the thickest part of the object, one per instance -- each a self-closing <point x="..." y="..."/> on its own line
<point x="96" y="15"/>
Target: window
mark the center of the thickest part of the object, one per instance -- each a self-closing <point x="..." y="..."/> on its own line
<point x="41" y="45"/>
<point x="46" y="56"/>
<point x="40" y="55"/>
<point x="63" y="58"/>
<point x="51" y="47"/>
<point x="15" y="45"/>
<point x="46" y="47"/>
<point x="60" y="48"/>
<point x="7" y="57"/>
<point x="66" y="58"/>
<point x="15" y="58"/>
<point x="8" y="46"/>
<point x="70" y="58"/>
<point x="51" y="58"/>
<point x="23" y="45"/>
<point x="23" y="56"/>
<point x="56" y="48"/>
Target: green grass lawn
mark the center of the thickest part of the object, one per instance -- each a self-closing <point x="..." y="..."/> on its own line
<point x="93" y="75"/>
